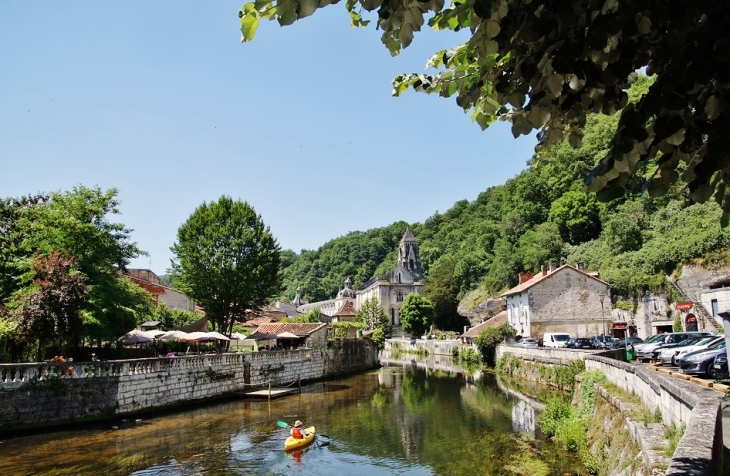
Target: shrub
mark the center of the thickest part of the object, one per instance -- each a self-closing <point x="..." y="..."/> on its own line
<point x="488" y="340"/>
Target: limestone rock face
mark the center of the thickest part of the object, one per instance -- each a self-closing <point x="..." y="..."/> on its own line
<point x="696" y="278"/>
<point x="483" y="311"/>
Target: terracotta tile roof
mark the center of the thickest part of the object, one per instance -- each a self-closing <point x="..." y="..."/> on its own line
<point x="258" y="322"/>
<point x="495" y="321"/>
<point x="346" y="310"/>
<point x="298" y="328"/>
<point x="539" y="277"/>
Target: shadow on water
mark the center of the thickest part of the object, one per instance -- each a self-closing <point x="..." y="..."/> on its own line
<point x="433" y="418"/>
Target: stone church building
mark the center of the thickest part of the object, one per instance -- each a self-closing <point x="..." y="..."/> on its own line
<point x="390" y="290"/>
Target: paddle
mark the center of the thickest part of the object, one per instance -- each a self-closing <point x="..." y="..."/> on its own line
<point x="283" y="424"/>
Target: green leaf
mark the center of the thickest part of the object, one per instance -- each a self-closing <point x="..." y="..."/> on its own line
<point x="713" y="108"/>
<point x="286" y="12"/>
<point x="306" y="8"/>
<point x="249" y="24"/>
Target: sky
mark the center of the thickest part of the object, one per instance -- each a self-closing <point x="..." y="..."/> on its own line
<point x="161" y="101"/>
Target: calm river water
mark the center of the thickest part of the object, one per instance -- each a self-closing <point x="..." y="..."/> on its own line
<point x="400" y="419"/>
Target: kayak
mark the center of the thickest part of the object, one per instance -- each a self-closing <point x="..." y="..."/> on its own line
<point x="292" y="443"/>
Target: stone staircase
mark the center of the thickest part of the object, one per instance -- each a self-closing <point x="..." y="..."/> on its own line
<point x="708" y="321"/>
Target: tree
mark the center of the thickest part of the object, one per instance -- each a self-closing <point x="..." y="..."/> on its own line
<point x="546" y="65"/>
<point x="577" y="216"/>
<point x="416" y="314"/>
<point x="442" y="288"/>
<point x="227" y="260"/>
<point x="313" y="316"/>
<point x="77" y="223"/>
<point x="371" y="314"/>
<point x="51" y="308"/>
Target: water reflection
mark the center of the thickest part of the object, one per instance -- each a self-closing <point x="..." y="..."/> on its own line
<point x="419" y="418"/>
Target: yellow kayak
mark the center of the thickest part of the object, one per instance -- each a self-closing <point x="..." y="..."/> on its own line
<point x="292" y="443"/>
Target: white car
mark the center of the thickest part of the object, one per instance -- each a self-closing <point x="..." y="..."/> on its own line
<point x="673" y="354"/>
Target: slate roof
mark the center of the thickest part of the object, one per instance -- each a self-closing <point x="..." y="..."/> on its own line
<point x="540" y="277"/>
<point x="495" y="321"/>
<point x="301" y="329"/>
<point x="408" y="235"/>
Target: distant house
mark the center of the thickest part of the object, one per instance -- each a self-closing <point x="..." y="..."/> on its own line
<point x="565" y="299"/>
<point x="468" y="336"/>
<point x="307" y="335"/>
<point x="346" y="313"/>
<point x="149" y="281"/>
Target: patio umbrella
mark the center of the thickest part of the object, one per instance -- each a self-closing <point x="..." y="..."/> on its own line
<point x="218" y="335"/>
<point x="201" y="337"/>
<point x="262" y="336"/>
<point x="287" y="335"/>
<point x="175" y="335"/>
<point x="237" y="336"/>
<point x="136" y="336"/>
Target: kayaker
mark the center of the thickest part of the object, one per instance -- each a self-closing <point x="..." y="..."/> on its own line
<point x="297" y="431"/>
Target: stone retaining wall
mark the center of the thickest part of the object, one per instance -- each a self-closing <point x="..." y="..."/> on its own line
<point x="700" y="451"/>
<point x="434" y="347"/>
<point x="39" y="395"/>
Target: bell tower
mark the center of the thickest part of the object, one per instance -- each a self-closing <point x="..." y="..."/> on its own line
<point x="408" y="254"/>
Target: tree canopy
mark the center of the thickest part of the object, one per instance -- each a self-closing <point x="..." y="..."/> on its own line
<point x="227" y="260"/>
<point x="545" y="66"/>
<point x="416" y="314"/>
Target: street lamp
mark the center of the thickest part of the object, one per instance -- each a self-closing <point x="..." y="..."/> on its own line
<point x="601" y="297"/>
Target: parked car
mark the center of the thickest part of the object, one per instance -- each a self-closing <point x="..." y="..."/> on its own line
<point x="691" y="340"/>
<point x="673" y="354"/>
<point x="622" y="343"/>
<point x="702" y="362"/>
<point x="555" y="339"/>
<point x="527" y="342"/>
<point x="580" y="343"/>
<point x="720" y="366"/>
<point x="601" y="342"/>
<point x="645" y="351"/>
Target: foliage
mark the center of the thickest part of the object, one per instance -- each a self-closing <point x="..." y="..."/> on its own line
<point x="547" y="66"/>
<point x="416" y="314"/>
<point x="673" y="434"/>
<point x="677" y="324"/>
<point x="624" y="305"/>
<point x="75" y="224"/>
<point x="488" y="340"/>
<point x="339" y="330"/>
<point x="442" y="288"/>
<point x="174" y="318"/>
<point x="372" y="314"/>
<point x="469" y="356"/>
<point x="476" y="249"/>
<point x="313" y="316"/>
<point x="51" y="307"/>
<point x="378" y="338"/>
<point x="556" y="411"/>
<point x="227" y="260"/>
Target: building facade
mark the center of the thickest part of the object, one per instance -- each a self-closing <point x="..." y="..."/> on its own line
<point x="564" y="299"/>
<point x="390" y="290"/>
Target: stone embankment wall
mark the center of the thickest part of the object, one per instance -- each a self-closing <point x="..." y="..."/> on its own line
<point x="433" y="347"/>
<point x="700" y="451"/>
<point x="45" y="394"/>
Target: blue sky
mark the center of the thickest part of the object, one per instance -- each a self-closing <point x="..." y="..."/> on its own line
<point x="160" y="100"/>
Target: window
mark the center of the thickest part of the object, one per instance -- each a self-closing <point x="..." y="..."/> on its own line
<point x="392" y="316"/>
<point x="715" y="307"/>
<point x="399" y="296"/>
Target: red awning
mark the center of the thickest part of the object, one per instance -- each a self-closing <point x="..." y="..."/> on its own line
<point x="684" y="306"/>
<point x="691" y="319"/>
<point x="619" y="325"/>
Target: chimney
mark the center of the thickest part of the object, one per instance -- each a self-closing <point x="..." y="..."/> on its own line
<point x="553" y="266"/>
<point x="526" y="276"/>
<point x="543" y="270"/>
<point x="579" y="266"/>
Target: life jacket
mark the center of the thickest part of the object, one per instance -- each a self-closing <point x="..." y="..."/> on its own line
<point x="296" y="432"/>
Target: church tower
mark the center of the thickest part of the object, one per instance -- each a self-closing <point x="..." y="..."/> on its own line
<point x="408" y="254"/>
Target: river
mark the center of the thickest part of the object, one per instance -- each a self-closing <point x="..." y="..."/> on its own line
<point x="400" y="419"/>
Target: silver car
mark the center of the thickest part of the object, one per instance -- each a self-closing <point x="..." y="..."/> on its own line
<point x="673" y="354"/>
<point x="646" y="350"/>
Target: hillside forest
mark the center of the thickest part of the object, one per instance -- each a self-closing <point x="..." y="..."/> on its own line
<point x="476" y="249"/>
